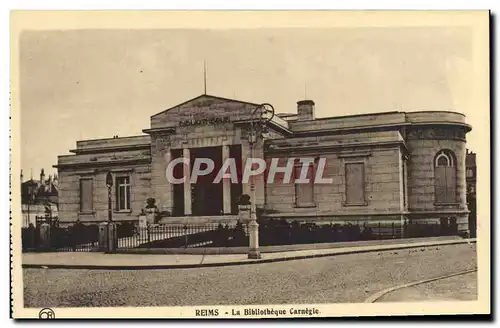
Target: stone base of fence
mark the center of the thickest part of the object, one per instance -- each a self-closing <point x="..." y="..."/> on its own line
<point x="283" y="248"/>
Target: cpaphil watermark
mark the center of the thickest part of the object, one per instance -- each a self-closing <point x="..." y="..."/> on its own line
<point x="295" y="170"/>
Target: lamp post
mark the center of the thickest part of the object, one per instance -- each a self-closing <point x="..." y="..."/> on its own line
<point x="112" y="239"/>
<point x="109" y="184"/>
<point x="260" y="116"/>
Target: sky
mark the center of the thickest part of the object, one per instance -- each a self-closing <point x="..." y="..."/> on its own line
<point x="90" y="84"/>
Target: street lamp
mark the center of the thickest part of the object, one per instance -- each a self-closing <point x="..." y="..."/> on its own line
<point x="109" y="184"/>
<point x="261" y="115"/>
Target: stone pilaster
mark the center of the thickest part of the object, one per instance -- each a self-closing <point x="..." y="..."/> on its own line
<point x="187" y="182"/>
<point x="226" y="183"/>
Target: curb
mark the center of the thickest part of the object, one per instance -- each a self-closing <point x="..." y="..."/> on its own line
<point x="279" y="248"/>
<point x="376" y="296"/>
<point x="239" y="262"/>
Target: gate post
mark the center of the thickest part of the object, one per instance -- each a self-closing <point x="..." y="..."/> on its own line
<point x="103" y="236"/>
<point x="112" y="237"/>
<point x="45" y="237"/>
<point x="143" y="229"/>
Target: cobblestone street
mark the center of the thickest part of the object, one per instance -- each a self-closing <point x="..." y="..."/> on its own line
<point x="336" y="279"/>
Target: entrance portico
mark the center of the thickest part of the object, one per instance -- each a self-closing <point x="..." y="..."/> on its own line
<point x="201" y="193"/>
<point x="205" y="127"/>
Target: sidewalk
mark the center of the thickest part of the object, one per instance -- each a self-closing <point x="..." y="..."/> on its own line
<point x="456" y="288"/>
<point x="93" y="260"/>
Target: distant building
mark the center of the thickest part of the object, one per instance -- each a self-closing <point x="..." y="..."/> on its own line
<point x="39" y="197"/>
<point x="384" y="167"/>
<point x="471" y="180"/>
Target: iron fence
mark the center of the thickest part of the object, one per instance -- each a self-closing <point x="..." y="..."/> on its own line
<point x="181" y="235"/>
<point x="80" y="237"/>
<point x="76" y="238"/>
<point x="271" y="232"/>
<point x="282" y="232"/>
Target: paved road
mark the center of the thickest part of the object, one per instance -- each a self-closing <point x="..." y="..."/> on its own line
<point x="336" y="279"/>
<point x="462" y="287"/>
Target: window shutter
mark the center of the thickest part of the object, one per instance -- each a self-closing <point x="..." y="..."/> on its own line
<point x="304" y="192"/>
<point x="86" y="195"/>
<point x="355" y="183"/>
<point x="450" y="184"/>
<point x="440" y="184"/>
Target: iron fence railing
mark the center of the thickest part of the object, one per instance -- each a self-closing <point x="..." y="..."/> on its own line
<point x="80" y="237"/>
<point x="181" y="235"/>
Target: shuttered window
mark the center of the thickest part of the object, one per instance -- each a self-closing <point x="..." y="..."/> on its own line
<point x="445" y="178"/>
<point x="86" y="195"/>
<point x="304" y="192"/>
<point x="355" y="184"/>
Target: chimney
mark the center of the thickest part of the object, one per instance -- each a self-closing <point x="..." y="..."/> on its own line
<point x="305" y="110"/>
<point x="42" y="176"/>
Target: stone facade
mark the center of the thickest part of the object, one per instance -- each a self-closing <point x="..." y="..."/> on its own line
<point x="395" y="151"/>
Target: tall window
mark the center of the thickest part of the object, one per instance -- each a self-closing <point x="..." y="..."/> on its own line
<point x="445" y="177"/>
<point x="86" y="195"/>
<point x="304" y="192"/>
<point x="123" y="193"/>
<point x="355" y="184"/>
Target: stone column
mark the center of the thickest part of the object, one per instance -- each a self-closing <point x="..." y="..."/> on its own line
<point x="226" y="183"/>
<point x="169" y="197"/>
<point x="245" y="153"/>
<point x="187" y="182"/>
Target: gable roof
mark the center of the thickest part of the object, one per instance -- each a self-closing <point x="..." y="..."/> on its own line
<point x="205" y="96"/>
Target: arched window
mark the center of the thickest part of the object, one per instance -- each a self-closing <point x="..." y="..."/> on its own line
<point x="445" y="177"/>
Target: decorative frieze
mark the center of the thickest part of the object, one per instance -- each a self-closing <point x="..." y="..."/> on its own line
<point x="438" y="133"/>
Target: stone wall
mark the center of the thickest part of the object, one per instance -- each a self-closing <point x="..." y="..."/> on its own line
<point x="69" y="193"/>
<point x="382" y="185"/>
<point x="421" y="171"/>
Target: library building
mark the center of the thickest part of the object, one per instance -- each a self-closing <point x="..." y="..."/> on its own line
<point x="381" y="167"/>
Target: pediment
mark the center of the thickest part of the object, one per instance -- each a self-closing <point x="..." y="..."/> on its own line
<point x="204" y="108"/>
